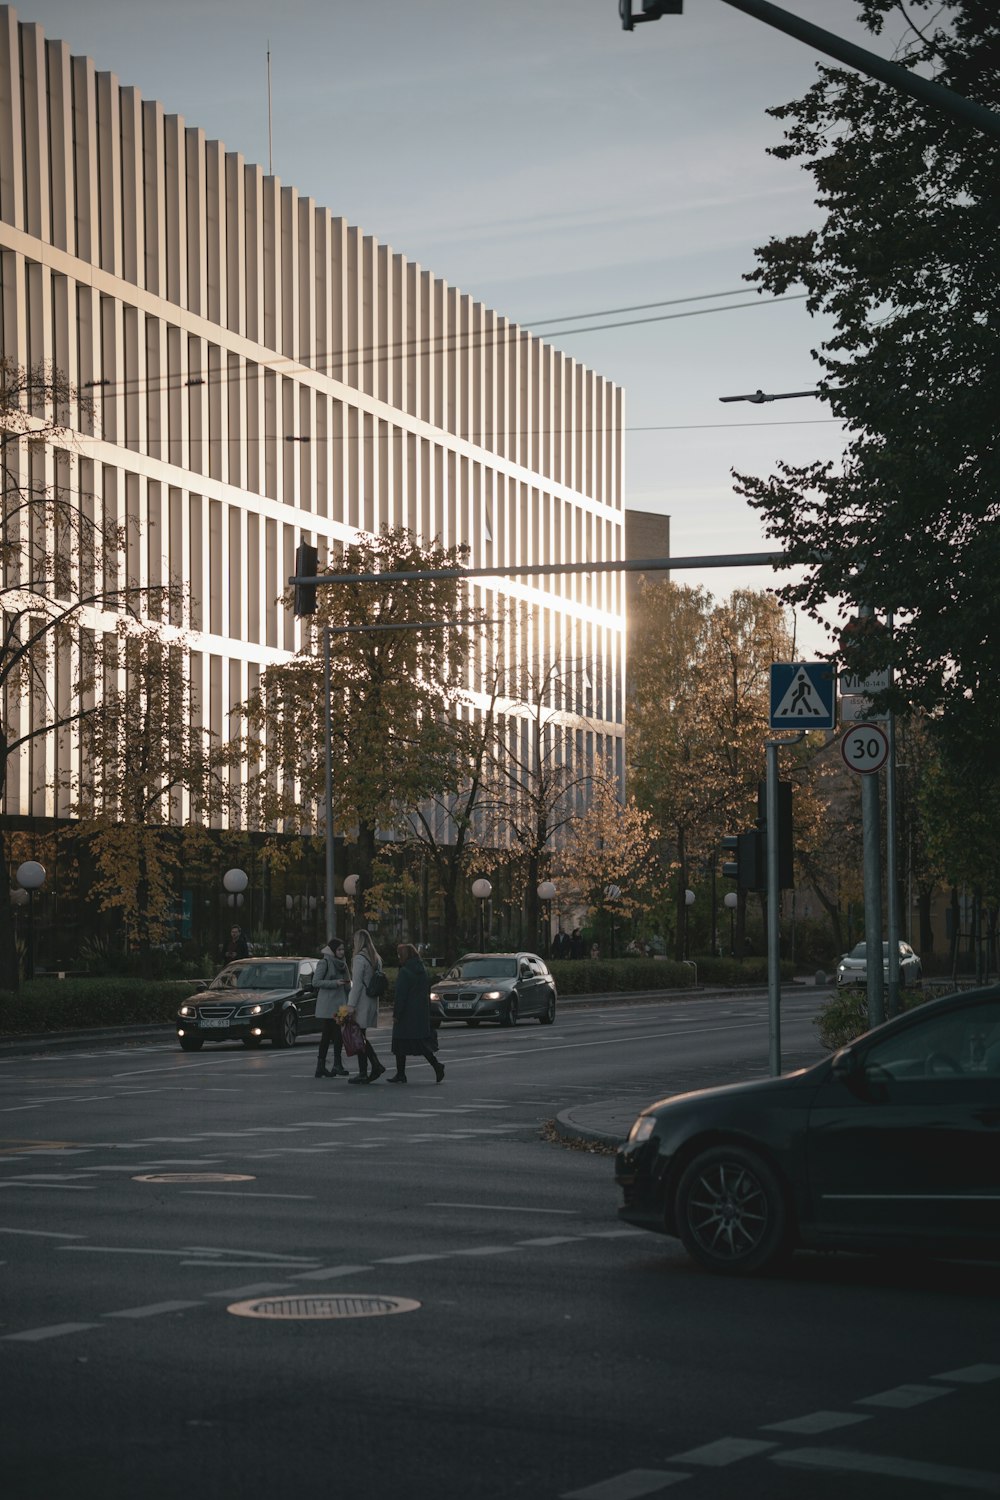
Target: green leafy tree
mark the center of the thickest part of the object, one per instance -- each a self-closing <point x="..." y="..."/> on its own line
<point x="904" y="263"/>
<point x="397" y="738"/>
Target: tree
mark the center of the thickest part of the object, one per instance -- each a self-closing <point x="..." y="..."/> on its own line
<point x="64" y="565"/>
<point x="397" y="739"/>
<point x="608" y="854"/>
<point x="905" y="265"/>
<point x="151" y="782"/>
<point x="698" y="715"/>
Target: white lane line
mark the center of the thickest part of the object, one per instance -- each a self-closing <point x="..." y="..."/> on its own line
<point x="327" y="1273"/>
<point x="44" y="1234"/>
<point x="628" y="1486"/>
<point x="406" y="1260"/>
<point x="971" y="1374"/>
<point x="151" y="1310"/>
<point x="55" y="1331"/>
<point x="902" y="1397"/>
<point x="62" y="1187"/>
<point x="222" y="1193"/>
<point x="263" y="1256"/>
<point x="241" y="1265"/>
<point x="255" y="1289"/>
<point x="727" y="1450"/>
<point x="16" y="1109"/>
<point x="612" y="1234"/>
<point x="839" y="1460"/>
<point x="487" y="1250"/>
<point x="552" y="1239"/>
<point x="817" y="1421"/>
<point x="507" y="1208"/>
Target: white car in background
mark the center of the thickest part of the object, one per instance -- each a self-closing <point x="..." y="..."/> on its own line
<point x="853" y="967"/>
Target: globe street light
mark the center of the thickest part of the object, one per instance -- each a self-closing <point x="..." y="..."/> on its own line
<point x="482" y="890"/>
<point x="731" y="901"/>
<point x="688" y="902"/>
<point x="30" y="877"/>
<point x="547" y="894"/>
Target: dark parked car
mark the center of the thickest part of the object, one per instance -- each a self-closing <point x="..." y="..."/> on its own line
<point x="853" y="967"/>
<point x="502" y="987"/>
<point x="250" y="1000"/>
<point x="894" y="1142"/>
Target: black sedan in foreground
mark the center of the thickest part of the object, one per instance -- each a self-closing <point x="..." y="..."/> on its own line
<point x="892" y="1143"/>
<point x="502" y="987"/>
<point x="252" y="1000"/>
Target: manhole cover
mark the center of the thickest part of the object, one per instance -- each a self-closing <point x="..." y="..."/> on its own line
<point x="193" y="1177"/>
<point x="322" y="1307"/>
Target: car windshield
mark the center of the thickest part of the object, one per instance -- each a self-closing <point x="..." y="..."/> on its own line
<point x="257" y="976"/>
<point x="484" y="968"/>
<point x="860" y="950"/>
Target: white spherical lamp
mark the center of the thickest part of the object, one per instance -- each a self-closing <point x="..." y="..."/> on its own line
<point x="482" y="890"/>
<point x="30" y="876"/>
<point x="351" y="883"/>
<point x="235" y="881"/>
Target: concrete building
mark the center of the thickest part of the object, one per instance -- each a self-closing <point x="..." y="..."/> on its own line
<point x="264" y="372"/>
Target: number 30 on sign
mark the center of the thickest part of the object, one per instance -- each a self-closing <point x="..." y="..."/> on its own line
<point x="865" y="747"/>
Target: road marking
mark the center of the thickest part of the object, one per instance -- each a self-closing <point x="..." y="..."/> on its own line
<point x="612" y="1234"/>
<point x="255" y="1289"/>
<point x="817" y="1421"/>
<point x="552" y="1239"/>
<point x="507" y="1208"/>
<point x="152" y="1310"/>
<point x="45" y="1234"/>
<point x="487" y="1250"/>
<point x="327" y="1273"/>
<point x="62" y="1187"/>
<point x="55" y="1331"/>
<point x="902" y="1397"/>
<point x="628" y="1486"/>
<point x="723" y="1451"/>
<point x="222" y="1193"/>
<point x="838" y="1460"/>
<point x="971" y="1374"/>
<point x="406" y="1260"/>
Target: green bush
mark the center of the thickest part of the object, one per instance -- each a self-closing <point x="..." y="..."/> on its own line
<point x="845" y="1014"/>
<point x="68" y="1004"/>
<point x="736" y="971"/>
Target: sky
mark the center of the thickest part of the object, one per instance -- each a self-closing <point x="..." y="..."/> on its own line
<point x="537" y="156"/>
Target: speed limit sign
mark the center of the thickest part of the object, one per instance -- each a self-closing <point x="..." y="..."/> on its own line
<point x="865" y="747"/>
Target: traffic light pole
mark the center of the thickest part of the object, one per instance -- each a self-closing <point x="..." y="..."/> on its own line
<point x="331" y="906"/>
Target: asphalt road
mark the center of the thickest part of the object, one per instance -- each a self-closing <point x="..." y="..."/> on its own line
<point x="550" y="1353"/>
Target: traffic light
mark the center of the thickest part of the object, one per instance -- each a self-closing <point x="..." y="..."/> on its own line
<point x="748" y="869"/>
<point x="306" y="564"/>
<point x="786" y="831"/>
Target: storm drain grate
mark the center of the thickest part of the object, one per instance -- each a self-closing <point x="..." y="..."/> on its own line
<point x="321" y="1307"/>
<point x="193" y="1177"/>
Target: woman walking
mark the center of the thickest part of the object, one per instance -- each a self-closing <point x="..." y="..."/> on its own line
<point x="412" y="1033"/>
<point x="332" y="979"/>
<point x="364" y="1006"/>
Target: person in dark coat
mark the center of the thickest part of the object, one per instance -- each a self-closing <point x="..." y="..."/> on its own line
<point x="412" y="1032"/>
<point x="577" y="947"/>
<point x="560" y="945"/>
<point x="236" y="947"/>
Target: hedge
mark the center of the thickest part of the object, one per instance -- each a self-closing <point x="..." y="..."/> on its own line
<point x="66" y="1004"/>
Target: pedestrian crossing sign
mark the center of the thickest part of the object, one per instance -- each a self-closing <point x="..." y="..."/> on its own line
<point x="803" y="695"/>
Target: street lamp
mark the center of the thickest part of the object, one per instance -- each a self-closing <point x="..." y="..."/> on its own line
<point x="731" y="901"/>
<point x="482" y="890"/>
<point x="235" y="882"/>
<point x="547" y="894"/>
<point x="30" y="877"/>
<point x="688" y="902"/>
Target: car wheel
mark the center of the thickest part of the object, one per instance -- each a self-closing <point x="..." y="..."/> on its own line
<point x="251" y="1042"/>
<point x="548" y="1015"/>
<point x="730" y="1211"/>
<point x="508" y="1016"/>
<point x="288" y="1028"/>
<point x="191" y="1043"/>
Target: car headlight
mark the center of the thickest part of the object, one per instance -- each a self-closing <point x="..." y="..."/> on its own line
<point x="641" y="1130"/>
<point x="188" y="1011"/>
<point x="435" y="995"/>
<point x="259" y="1008"/>
<point x="492" y="995"/>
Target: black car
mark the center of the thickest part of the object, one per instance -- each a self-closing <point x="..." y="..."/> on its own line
<point x="252" y="1000"/>
<point x="501" y="987"/>
<point x="892" y="1143"/>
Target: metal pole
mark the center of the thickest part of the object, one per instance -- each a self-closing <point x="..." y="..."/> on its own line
<point x="331" y="908"/>
<point x="773" y="926"/>
<point x="29" y="966"/>
<point x="891" y="868"/>
<point x="872" y="842"/>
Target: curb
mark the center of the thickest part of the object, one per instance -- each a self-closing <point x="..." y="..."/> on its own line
<point x="568" y="1130"/>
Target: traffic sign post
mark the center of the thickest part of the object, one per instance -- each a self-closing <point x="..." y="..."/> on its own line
<point x="865" y="748"/>
<point x="803" y="695"/>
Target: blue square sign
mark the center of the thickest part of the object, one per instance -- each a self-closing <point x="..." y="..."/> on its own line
<point x="803" y="695"/>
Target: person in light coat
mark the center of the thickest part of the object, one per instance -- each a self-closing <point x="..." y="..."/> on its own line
<point x="332" y="980"/>
<point x="362" y="1006"/>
